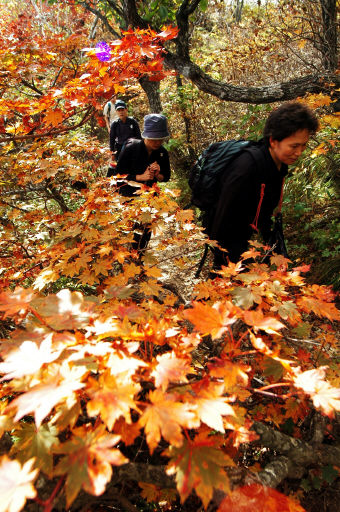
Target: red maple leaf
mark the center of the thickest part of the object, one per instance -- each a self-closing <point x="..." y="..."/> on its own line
<point x="258" y="498"/>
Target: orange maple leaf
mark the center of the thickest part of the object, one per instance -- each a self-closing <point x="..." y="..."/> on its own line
<point x="170" y="368"/>
<point x="232" y="373"/>
<point x="164" y="417"/>
<point x="198" y="465"/>
<point x="319" y="307"/>
<point x="150" y="492"/>
<point x="168" y="32"/>
<point x="111" y="397"/>
<point x="212" y="320"/>
<point x="88" y="459"/>
<point x="211" y="405"/>
<point x="260" y="499"/>
<point x="54" y="117"/>
<point x="257" y="320"/>
<point x="28" y="358"/>
<point x="15" y="302"/>
<point x="127" y="431"/>
<point x="43" y="397"/>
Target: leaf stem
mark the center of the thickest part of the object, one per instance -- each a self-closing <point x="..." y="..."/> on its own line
<point x="48" y="504"/>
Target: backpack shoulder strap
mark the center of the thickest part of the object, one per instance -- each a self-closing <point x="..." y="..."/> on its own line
<point x="258" y="156"/>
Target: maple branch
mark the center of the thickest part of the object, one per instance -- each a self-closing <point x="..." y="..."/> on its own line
<point x="297" y="455"/>
<point x="267" y="393"/>
<point x="88" y="114"/>
<point x="12" y="206"/>
<point x="53" y="193"/>
<point x="275" y="385"/>
<point x="31" y="86"/>
<point x="277" y="470"/>
<point x="296" y="341"/>
<point x="102" y="17"/>
<point x="48" y="503"/>
<point x="57" y="76"/>
<point x="256" y="95"/>
<point x="182" y="18"/>
<point x="157" y="475"/>
<point x="292" y="89"/>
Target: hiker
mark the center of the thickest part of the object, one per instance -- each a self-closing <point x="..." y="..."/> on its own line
<point x="122" y="129"/>
<point x="145" y="162"/>
<point x="252" y="184"/>
<point x="109" y="113"/>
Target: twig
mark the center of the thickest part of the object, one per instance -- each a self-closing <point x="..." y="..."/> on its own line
<point x="50" y="133"/>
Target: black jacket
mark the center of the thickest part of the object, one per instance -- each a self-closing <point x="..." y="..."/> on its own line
<point x="134" y="159"/>
<point x="120" y="132"/>
<point x="240" y="185"/>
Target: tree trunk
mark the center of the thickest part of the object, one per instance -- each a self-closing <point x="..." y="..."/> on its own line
<point x="186" y="119"/>
<point x="329" y="39"/>
<point x="152" y="89"/>
<point x="237" y="15"/>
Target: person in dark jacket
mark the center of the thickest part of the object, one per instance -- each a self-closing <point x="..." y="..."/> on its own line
<point x="252" y="185"/>
<point x="145" y="162"/>
<point x="122" y="129"/>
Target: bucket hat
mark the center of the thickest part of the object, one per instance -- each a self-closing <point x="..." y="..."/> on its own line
<point x="120" y="104"/>
<point x="155" y="127"/>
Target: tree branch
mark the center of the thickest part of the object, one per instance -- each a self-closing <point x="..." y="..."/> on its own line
<point x="31" y="86"/>
<point x="102" y="17"/>
<point x="257" y="95"/>
<point x="298" y="452"/>
<point x="51" y="133"/>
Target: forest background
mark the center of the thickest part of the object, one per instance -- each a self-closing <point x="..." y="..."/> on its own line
<point x="190" y="387"/>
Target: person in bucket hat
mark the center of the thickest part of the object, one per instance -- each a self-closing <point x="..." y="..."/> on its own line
<point x="145" y="162"/>
<point x="155" y="127"/>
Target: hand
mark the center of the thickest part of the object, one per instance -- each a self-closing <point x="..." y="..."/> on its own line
<point x="147" y="175"/>
<point x="156" y="169"/>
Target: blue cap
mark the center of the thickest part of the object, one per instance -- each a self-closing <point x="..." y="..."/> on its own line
<point x="120" y="104"/>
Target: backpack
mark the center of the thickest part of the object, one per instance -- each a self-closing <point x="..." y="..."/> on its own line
<point x="205" y="173"/>
<point x="204" y="180"/>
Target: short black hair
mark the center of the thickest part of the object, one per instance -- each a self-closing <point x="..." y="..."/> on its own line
<point x="289" y="118"/>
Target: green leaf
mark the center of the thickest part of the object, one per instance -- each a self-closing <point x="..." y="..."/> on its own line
<point x="33" y="442"/>
<point x="305" y="484"/>
<point x="316" y="483"/>
<point x="273" y="368"/>
<point x="163" y="12"/>
<point x="303" y="330"/>
<point x="203" y="5"/>
<point x="329" y="474"/>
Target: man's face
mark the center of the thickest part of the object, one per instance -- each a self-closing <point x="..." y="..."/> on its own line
<point x="288" y="150"/>
<point x="122" y="113"/>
